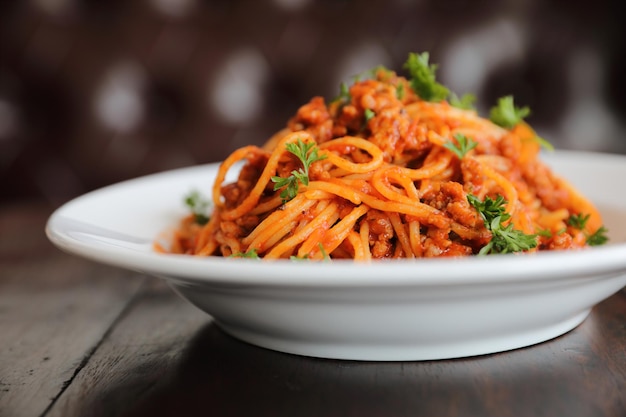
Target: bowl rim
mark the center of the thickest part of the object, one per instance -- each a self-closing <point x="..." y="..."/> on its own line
<point x="436" y="271"/>
<point x="70" y="235"/>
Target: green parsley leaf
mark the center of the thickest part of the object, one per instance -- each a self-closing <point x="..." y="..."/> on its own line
<point x="578" y="221"/>
<point x="368" y="113"/>
<point x="466" y="102"/>
<point x="599" y="237"/>
<point x="544" y="233"/>
<point x="306" y="257"/>
<point x="344" y="94"/>
<point x="291" y="186"/>
<point x="307" y="153"/>
<point x="400" y="93"/>
<point x="371" y="73"/>
<point x="423" y="80"/>
<point x="251" y="254"/>
<point x="198" y="205"/>
<point x="462" y="146"/>
<point x="548" y="233"/>
<point x="506" y="114"/>
<point x="488" y="209"/>
<point x="544" y="143"/>
<point x="323" y="251"/>
<point x="504" y="239"/>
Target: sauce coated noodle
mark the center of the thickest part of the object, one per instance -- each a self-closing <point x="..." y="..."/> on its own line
<point x="386" y="182"/>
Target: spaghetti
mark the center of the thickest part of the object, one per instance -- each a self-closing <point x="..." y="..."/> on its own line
<point x="382" y="172"/>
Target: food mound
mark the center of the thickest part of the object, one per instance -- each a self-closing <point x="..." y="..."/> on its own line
<point x="394" y="167"/>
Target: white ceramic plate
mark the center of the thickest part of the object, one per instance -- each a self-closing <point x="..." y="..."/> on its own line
<point x="387" y="310"/>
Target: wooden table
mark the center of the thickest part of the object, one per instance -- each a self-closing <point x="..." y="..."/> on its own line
<point x="82" y="339"/>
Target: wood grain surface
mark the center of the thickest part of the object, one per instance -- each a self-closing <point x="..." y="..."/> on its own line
<point x="82" y="339"/>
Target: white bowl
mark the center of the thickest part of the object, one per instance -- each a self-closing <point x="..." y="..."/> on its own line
<point x="386" y="310"/>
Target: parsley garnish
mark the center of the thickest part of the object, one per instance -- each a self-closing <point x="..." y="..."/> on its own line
<point x="368" y="113"/>
<point x="400" y="93"/>
<point x="323" y="251"/>
<point x="291" y="186"/>
<point x="548" y="233"/>
<point x="544" y="143"/>
<point x="506" y="114"/>
<point x="504" y="239"/>
<point x="578" y="221"/>
<point x="307" y="154"/>
<point x="372" y="73"/>
<point x="466" y="102"/>
<point x="251" y="254"/>
<point x="488" y="209"/>
<point x="463" y="145"/>
<point x="344" y="90"/>
<point x="598" y="238"/>
<point x="199" y="206"/>
<point x="325" y="256"/>
<point x="344" y="94"/>
<point x="423" y="78"/>
<point x="544" y="233"/>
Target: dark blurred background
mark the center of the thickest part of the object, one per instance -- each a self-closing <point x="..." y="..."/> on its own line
<point x="94" y="92"/>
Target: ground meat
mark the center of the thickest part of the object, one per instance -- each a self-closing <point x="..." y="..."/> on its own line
<point x="314" y="118"/>
<point x="450" y="197"/>
<point x="473" y="178"/>
<point x="541" y="179"/>
<point x="381" y="234"/>
<point x="236" y="192"/>
<point x="558" y="241"/>
<point x="232" y="194"/>
<point x="230" y="228"/>
<point x="510" y="147"/>
<point x="391" y="128"/>
<point x="437" y="243"/>
<point x="313" y="113"/>
<point x="247" y="223"/>
<point x="350" y="120"/>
